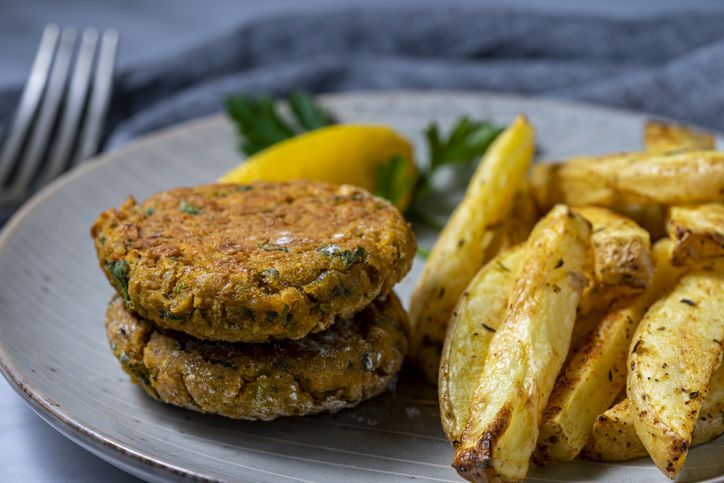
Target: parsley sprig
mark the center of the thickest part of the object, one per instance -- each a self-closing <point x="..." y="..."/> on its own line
<point x="261" y="126"/>
<point x="465" y="144"/>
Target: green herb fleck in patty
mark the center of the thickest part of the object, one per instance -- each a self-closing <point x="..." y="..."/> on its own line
<point x="169" y="316"/>
<point x="119" y="270"/>
<point x="271" y="273"/>
<point x="189" y="208"/>
<point x="348" y="257"/>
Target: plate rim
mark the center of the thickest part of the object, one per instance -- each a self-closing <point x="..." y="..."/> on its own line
<point x="105" y="446"/>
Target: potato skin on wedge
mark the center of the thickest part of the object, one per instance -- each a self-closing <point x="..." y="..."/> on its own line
<point x="475" y="320"/>
<point x="698" y="231"/>
<point x="621" y="249"/>
<point x="675" y="351"/>
<point x="527" y="351"/>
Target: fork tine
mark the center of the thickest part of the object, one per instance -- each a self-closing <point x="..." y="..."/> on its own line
<point x="100" y="95"/>
<point x="39" y="138"/>
<point x="70" y="120"/>
<point x="29" y="100"/>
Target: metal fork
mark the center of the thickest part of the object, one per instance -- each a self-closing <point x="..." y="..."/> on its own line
<point x="61" y="111"/>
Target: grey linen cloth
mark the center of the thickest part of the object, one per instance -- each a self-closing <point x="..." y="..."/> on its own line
<point x="671" y="64"/>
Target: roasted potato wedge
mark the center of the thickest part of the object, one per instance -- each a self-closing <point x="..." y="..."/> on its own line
<point x="587" y="386"/>
<point x="698" y="232"/>
<point x="662" y="137"/>
<point x="527" y="351"/>
<point x="556" y="182"/>
<point x="622" y="262"/>
<point x="691" y="177"/>
<point x="475" y="319"/>
<point x="462" y="247"/>
<point x="631" y="178"/>
<point x="614" y="439"/>
<point x="596" y="374"/>
<point x="621" y="249"/>
<point x="676" y="349"/>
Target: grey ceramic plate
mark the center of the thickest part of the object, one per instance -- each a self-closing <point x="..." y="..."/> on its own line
<point x="54" y="352"/>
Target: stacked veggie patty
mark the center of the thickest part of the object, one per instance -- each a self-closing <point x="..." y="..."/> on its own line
<point x="257" y="301"/>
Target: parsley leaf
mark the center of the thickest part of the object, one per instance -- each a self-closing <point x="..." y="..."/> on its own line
<point x="260" y="125"/>
<point x="309" y="115"/>
<point x="467" y="141"/>
<point x="391" y="180"/>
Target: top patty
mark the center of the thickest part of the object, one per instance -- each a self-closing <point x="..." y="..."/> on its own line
<point x="252" y="262"/>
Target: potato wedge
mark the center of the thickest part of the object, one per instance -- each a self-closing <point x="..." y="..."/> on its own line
<point x="663" y="137"/>
<point x="620" y="247"/>
<point x="698" y="231"/>
<point x="587" y="386"/>
<point x="660" y="138"/>
<point x="554" y="182"/>
<point x="622" y="262"/>
<point x="676" y="349"/>
<point x="475" y="319"/>
<point x="639" y="178"/>
<point x="527" y="351"/>
<point x="593" y="378"/>
<point x="614" y="439"/>
<point x="462" y="247"/>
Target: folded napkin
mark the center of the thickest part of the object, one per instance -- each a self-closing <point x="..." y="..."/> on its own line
<point x="671" y="64"/>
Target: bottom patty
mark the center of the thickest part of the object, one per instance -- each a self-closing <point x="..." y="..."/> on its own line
<point x="353" y="360"/>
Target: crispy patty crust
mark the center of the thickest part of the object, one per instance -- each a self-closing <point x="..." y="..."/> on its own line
<point x="246" y="263"/>
<point x="353" y="360"/>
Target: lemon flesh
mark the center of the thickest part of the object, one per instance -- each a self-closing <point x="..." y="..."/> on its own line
<point x="339" y="154"/>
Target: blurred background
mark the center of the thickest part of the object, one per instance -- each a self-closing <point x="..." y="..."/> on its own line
<point x="179" y="59"/>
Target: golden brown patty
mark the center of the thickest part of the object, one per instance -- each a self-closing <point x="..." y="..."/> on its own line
<point x="253" y="262"/>
<point x="353" y="360"/>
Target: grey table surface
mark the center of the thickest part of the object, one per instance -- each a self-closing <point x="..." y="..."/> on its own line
<point x="30" y="450"/>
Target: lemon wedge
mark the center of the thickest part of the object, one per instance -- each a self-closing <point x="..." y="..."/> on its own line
<point x="339" y="154"/>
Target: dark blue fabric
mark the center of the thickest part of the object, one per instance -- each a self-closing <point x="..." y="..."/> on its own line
<point x="670" y="64"/>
